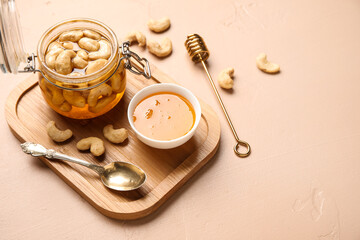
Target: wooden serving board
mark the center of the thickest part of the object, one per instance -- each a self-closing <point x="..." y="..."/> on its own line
<point x="27" y="114"/>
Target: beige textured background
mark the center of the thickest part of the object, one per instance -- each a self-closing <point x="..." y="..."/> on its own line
<point x="302" y="180"/>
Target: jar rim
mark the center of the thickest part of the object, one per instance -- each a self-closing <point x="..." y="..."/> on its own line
<point x="84" y="78"/>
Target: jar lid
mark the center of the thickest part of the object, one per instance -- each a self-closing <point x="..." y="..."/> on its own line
<point x="11" y="42"/>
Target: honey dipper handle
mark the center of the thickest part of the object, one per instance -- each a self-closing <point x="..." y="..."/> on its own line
<point x="199" y="52"/>
<point x="238" y="141"/>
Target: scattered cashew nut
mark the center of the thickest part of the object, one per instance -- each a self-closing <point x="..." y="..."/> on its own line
<point x="56" y="134"/>
<point x="95" y="66"/>
<point x="160" y="50"/>
<point x="74" y="98"/>
<point x="104" y="51"/>
<point x="136" y="36"/>
<point x="95" y="93"/>
<point x="96" y="145"/>
<point x="89" y="44"/>
<point x="159" y="25"/>
<point x="264" y="65"/>
<point x="72" y="36"/>
<point x="115" y="135"/>
<point x="63" y="64"/>
<point x="91" y="34"/>
<point x="225" y="78"/>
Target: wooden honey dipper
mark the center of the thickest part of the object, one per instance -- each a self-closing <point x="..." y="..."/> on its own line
<point x="198" y="52"/>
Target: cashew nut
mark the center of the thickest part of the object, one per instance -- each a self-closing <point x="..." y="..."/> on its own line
<point x="159" y="25"/>
<point x="72" y="36"/>
<point x="160" y="50"/>
<point x="95" y="66"/>
<point x="115" y="135"/>
<point x="54" y="45"/>
<point x="116" y="81"/>
<point x="225" y="78"/>
<point x="43" y="86"/>
<point x="102" y="103"/>
<point x="65" y="107"/>
<point x="80" y="62"/>
<point x="51" y="56"/>
<point x="95" y="144"/>
<point x="95" y="93"/>
<point x="57" y="97"/>
<point x="104" y="51"/>
<point x="82" y="86"/>
<point x="264" y="65"/>
<point x="89" y="44"/>
<point x="76" y="74"/>
<point x="48" y="94"/>
<point x="136" y="36"/>
<point x="63" y="64"/>
<point x="83" y="54"/>
<point x="56" y="134"/>
<point x="74" y="98"/>
<point x="68" y="45"/>
<point x="91" y="34"/>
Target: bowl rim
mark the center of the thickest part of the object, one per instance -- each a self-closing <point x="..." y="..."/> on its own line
<point x="172" y="85"/>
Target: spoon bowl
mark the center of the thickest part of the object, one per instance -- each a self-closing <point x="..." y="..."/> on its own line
<point x="123" y="176"/>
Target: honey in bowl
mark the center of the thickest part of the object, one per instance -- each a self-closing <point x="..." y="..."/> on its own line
<point x="164" y="116"/>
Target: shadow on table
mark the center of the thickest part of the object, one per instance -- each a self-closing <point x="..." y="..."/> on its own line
<point x="172" y="200"/>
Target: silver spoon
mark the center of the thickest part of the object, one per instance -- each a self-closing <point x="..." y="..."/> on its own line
<point x="120" y="176"/>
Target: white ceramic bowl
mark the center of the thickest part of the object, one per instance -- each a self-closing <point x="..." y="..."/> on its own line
<point x="164" y="87"/>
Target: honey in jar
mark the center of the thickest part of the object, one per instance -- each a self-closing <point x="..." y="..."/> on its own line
<point x="82" y="73"/>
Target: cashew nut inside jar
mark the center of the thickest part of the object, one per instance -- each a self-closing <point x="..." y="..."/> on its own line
<point x="83" y="75"/>
<point x="81" y="69"/>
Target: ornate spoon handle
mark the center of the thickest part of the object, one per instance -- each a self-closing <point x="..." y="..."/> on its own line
<point x="37" y="150"/>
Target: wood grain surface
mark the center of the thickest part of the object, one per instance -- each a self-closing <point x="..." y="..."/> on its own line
<point x="27" y="114"/>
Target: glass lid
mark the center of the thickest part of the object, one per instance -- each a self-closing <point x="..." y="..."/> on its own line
<point x="11" y="42"/>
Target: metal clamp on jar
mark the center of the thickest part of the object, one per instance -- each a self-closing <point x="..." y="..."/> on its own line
<point x="80" y="94"/>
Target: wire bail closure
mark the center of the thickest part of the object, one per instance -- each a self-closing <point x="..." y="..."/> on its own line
<point x="127" y="56"/>
<point x="31" y="65"/>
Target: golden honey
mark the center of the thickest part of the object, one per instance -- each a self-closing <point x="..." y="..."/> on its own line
<point x="164" y="116"/>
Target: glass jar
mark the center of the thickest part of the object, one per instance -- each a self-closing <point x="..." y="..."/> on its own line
<point x="86" y="96"/>
<point x="78" y="97"/>
<point x="11" y="44"/>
